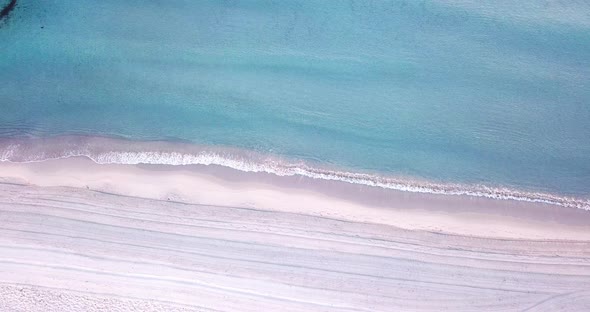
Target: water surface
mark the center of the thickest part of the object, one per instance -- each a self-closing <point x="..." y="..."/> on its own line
<point x="446" y="91"/>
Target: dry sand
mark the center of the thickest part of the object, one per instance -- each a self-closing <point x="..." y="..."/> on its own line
<point x="77" y="236"/>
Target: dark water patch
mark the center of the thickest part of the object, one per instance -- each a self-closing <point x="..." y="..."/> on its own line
<point x="7" y="9"/>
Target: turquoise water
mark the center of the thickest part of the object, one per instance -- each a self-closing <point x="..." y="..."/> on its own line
<point x="447" y="91"/>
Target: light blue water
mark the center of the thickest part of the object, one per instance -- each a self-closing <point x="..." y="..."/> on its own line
<point x="450" y="91"/>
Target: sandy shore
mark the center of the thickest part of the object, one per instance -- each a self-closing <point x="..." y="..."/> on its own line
<point x="79" y="236"/>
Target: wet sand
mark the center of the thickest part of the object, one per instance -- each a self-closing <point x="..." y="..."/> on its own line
<point x="77" y="236"/>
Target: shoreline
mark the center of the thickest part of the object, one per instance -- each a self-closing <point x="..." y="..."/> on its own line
<point x="221" y="186"/>
<point x="80" y="236"/>
<point x="107" y="150"/>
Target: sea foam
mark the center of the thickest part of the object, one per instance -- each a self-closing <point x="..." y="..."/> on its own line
<point x="115" y="151"/>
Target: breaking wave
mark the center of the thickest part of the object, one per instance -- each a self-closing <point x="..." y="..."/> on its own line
<point x="115" y="151"/>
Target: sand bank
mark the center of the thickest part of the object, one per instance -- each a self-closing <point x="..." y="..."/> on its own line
<point x="220" y="186"/>
<point x="75" y="235"/>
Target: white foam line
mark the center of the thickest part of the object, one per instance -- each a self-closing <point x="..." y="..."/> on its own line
<point x="288" y="169"/>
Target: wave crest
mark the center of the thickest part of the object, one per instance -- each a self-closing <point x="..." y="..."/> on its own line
<point x="113" y="151"/>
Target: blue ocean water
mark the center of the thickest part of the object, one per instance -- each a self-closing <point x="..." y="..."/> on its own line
<point x="453" y="91"/>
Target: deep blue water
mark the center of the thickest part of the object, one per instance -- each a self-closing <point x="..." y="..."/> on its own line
<point x="450" y="91"/>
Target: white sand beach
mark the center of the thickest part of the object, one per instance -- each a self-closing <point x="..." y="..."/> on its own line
<point x="78" y="236"/>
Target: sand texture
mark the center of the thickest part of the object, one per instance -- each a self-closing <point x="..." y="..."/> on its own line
<point x="81" y="247"/>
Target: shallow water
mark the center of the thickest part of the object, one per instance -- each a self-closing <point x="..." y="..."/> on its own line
<point x="454" y="92"/>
